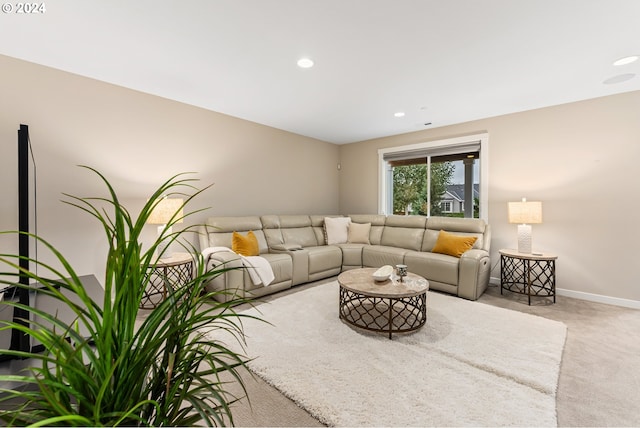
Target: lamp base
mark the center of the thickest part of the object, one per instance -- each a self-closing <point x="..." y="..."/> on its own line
<point x="163" y="248"/>
<point x="524" y="238"/>
<point x="164" y="252"/>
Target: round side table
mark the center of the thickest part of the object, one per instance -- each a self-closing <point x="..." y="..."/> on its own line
<point x="174" y="271"/>
<point x="531" y="274"/>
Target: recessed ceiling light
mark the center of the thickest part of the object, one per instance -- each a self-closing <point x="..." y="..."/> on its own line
<point x="626" y="60"/>
<point x="398" y="114"/>
<point x="305" y="63"/>
<point x="619" y="78"/>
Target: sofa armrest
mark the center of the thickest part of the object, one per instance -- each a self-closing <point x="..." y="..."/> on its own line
<point x="473" y="274"/>
<point x="300" y="262"/>
<point x="231" y="280"/>
<point x="286" y="247"/>
<point x="203" y="237"/>
<point x="224" y="257"/>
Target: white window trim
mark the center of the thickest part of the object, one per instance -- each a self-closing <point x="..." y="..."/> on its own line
<point x="384" y="168"/>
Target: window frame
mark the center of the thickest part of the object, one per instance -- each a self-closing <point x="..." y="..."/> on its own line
<point x="385" y="175"/>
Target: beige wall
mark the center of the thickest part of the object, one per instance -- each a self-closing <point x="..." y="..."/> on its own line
<point x="579" y="159"/>
<point x="138" y="141"/>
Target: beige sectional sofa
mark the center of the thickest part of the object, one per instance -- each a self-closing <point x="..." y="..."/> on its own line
<point x="295" y="247"/>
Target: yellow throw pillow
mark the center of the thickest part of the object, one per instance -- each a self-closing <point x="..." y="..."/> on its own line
<point x="453" y="245"/>
<point x="245" y="245"/>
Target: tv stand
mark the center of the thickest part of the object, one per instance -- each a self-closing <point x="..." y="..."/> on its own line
<point x="50" y="305"/>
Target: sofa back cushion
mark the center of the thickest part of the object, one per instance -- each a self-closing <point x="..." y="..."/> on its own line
<point x="289" y="229"/>
<point x="220" y="230"/>
<point x="377" y="225"/>
<point x="404" y="231"/>
<point x="317" y="224"/>
<point x="458" y="226"/>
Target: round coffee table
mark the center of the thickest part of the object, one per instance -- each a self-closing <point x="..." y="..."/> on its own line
<point x="390" y="306"/>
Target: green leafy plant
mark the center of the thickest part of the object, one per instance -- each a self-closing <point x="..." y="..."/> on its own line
<point x="161" y="370"/>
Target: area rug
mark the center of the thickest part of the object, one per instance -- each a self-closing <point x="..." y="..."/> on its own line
<point x="472" y="364"/>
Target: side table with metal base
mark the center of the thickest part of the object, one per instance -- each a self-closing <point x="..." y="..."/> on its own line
<point x="529" y="274"/>
<point x="173" y="271"/>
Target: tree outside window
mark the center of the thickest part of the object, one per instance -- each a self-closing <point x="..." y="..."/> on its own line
<point x="410" y="187"/>
<point x="424" y="178"/>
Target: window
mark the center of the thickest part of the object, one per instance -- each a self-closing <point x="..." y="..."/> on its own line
<point x="446" y="177"/>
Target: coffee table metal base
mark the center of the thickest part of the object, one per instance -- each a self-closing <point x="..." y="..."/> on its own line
<point x="383" y="314"/>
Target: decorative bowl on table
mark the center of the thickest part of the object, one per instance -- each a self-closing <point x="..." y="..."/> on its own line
<point x="383" y="273"/>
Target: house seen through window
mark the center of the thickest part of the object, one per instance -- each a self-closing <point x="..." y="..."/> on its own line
<point x="437" y="185"/>
<point x="437" y="178"/>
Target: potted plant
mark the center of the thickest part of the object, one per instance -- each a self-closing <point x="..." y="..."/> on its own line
<point x="160" y="371"/>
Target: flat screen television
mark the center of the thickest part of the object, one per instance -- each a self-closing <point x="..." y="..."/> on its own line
<point x="19" y="340"/>
<point x="27" y="293"/>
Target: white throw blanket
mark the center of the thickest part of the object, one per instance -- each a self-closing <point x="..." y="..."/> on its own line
<point x="259" y="269"/>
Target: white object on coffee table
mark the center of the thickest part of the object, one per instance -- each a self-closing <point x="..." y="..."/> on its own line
<point x="383" y="273"/>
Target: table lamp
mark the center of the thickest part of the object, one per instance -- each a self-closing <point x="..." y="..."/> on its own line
<point x="163" y="212"/>
<point x="524" y="214"/>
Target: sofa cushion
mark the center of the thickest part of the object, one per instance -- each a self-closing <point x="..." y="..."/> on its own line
<point x="351" y="255"/>
<point x="457" y="224"/>
<point x="303" y="236"/>
<point x="434" y="266"/>
<point x="245" y="245"/>
<point x="410" y="221"/>
<point x="359" y="233"/>
<point x="289" y="229"/>
<point x="229" y="224"/>
<point x="219" y="231"/>
<point x="324" y="258"/>
<point x="379" y="255"/>
<point x="336" y="230"/>
<point x="271" y="229"/>
<point x="453" y="245"/>
<point x="294" y="221"/>
<point x="460" y="226"/>
<point x="404" y="232"/>
<point x="282" y="267"/>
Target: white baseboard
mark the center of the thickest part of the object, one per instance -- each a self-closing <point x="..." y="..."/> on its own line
<point x="598" y="298"/>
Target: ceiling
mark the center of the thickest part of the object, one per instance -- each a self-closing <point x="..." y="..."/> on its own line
<point x="438" y="61"/>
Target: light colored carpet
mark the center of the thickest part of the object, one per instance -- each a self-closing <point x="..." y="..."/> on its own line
<point x="454" y="371"/>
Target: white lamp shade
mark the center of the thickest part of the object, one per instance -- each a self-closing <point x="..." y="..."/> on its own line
<point x="525" y="212"/>
<point x="165" y="209"/>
